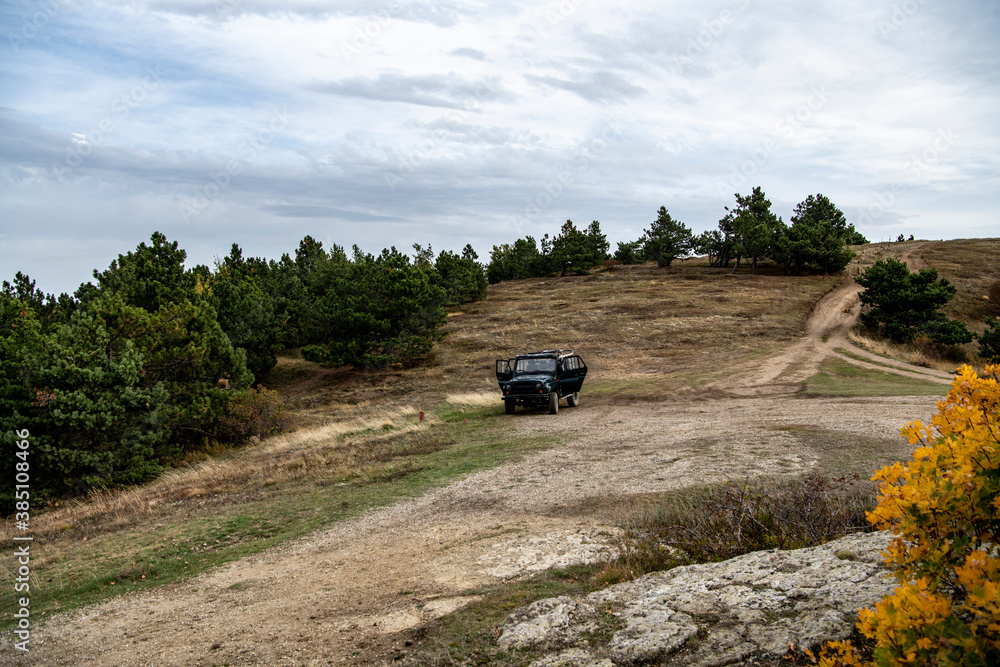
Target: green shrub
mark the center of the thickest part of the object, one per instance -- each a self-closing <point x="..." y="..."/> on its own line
<point x="903" y="305"/>
<point x="629" y="253"/>
<point x="989" y="342"/>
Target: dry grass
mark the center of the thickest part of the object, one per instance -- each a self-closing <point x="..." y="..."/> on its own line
<point x="629" y="321"/>
<point x="354" y="448"/>
<point x="475" y="399"/>
<point x="973" y="267"/>
<point x="908" y="353"/>
<point x="719" y="522"/>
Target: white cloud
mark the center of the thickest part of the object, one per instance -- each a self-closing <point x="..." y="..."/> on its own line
<point x="392" y="136"/>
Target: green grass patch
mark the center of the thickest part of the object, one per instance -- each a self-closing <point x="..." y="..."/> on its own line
<point x="839" y="378"/>
<point x="867" y="360"/>
<point x="83" y="565"/>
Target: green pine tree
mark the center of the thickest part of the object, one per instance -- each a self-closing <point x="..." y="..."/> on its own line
<point x="380" y="311"/>
<point x="753" y="227"/>
<point x="818" y="238"/>
<point x="667" y="239"/>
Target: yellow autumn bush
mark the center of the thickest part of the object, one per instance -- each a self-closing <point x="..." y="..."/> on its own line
<point x="944" y="508"/>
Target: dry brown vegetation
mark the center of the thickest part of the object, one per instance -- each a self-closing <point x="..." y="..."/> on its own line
<point x="688" y="322"/>
<point x="630" y="321"/>
<point x="911" y="354"/>
<point x="717" y="523"/>
<point x="973" y="267"/>
<point x="354" y="448"/>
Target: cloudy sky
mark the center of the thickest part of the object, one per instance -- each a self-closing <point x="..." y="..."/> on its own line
<point x="480" y="121"/>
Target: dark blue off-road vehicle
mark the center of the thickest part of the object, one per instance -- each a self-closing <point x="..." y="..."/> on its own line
<point x="541" y="378"/>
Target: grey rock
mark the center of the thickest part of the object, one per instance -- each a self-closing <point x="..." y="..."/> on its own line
<point x="651" y="629"/>
<point x="553" y="621"/>
<point x="573" y="657"/>
<point x="718" y="614"/>
<point x="723" y="646"/>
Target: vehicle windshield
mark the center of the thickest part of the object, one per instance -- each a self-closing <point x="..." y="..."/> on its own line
<point x="532" y="366"/>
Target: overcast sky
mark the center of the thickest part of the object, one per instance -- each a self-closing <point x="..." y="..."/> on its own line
<point x="480" y="121"/>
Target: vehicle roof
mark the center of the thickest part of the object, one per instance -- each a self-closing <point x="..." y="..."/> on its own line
<point x="546" y="353"/>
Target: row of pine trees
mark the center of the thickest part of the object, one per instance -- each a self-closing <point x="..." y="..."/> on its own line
<point x="818" y="239"/>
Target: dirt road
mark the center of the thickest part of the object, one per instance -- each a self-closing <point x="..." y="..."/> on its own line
<point x="335" y="597"/>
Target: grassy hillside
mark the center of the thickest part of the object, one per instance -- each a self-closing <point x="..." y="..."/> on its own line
<point x="973" y="267"/>
<point x="656" y="331"/>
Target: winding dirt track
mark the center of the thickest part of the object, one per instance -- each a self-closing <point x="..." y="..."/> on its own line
<point x="336" y="597"/>
<point x="826" y="336"/>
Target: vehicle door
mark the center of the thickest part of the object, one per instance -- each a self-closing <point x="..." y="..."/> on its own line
<point x="504" y="371"/>
<point x="572" y="370"/>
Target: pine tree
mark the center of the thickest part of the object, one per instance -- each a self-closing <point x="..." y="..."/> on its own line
<point x="817" y="239"/>
<point x="181" y="343"/>
<point x="380" y="310"/>
<point x="629" y="252"/>
<point x="81" y="392"/>
<point x="462" y="278"/>
<point x="753" y="227"/>
<point x="245" y="311"/>
<point x="577" y="251"/>
<point x="667" y="239"/>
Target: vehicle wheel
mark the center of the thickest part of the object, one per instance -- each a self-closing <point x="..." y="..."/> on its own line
<point x="554" y="403"/>
<point x="508" y="407"/>
<point x="573" y="399"/>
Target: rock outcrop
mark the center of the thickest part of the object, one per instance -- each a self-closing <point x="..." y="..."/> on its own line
<point x="714" y="614"/>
